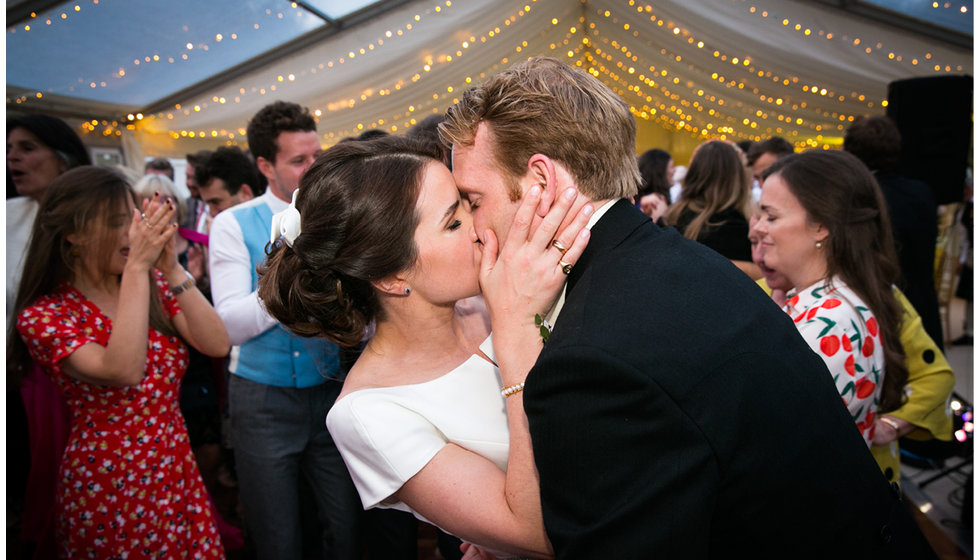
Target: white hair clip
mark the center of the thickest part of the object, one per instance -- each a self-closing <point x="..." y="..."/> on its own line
<point x="286" y="224"/>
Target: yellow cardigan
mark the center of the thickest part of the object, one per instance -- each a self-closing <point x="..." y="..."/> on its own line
<point x="927" y="390"/>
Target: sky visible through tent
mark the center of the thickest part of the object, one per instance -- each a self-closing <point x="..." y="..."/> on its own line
<point x="943" y="13"/>
<point x="134" y="52"/>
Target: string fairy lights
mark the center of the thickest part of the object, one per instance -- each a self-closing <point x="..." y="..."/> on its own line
<point x="670" y="71"/>
<point x="679" y="101"/>
<point x="179" y="50"/>
<point x="283" y="79"/>
<point x="868" y="47"/>
<point x="444" y="95"/>
<point x="747" y="101"/>
<point x="432" y="100"/>
<point x="730" y="94"/>
<point x="54" y="19"/>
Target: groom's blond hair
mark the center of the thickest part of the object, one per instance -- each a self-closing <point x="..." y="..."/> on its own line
<point x="545" y="106"/>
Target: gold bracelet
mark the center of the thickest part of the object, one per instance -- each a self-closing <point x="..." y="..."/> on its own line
<point x="512" y="390"/>
<point x="184" y="286"/>
<point x="890" y="422"/>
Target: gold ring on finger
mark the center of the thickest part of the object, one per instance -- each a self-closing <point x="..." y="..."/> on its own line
<point x="565" y="267"/>
<point x="559" y="245"/>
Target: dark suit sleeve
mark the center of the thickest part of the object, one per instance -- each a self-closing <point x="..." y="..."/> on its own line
<point x="592" y="419"/>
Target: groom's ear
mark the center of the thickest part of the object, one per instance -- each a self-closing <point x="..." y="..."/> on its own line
<point x="541" y="171"/>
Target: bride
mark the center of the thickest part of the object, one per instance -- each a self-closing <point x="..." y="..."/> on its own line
<point x="427" y="422"/>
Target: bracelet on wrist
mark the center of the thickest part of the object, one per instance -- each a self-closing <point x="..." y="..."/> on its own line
<point x="184" y="286"/>
<point x="512" y="390"/>
<point x="891" y="423"/>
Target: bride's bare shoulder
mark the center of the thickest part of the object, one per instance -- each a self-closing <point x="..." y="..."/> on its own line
<point x="364" y="374"/>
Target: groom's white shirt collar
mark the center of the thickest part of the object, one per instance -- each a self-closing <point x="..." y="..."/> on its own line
<point x="552" y="315"/>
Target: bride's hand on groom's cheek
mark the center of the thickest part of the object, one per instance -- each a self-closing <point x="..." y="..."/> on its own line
<point x="524" y="275"/>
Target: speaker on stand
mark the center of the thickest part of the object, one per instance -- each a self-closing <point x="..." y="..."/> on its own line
<point x="935" y="117"/>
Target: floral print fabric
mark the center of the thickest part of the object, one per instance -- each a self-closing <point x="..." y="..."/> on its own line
<point x="129" y="486"/>
<point x="841" y="329"/>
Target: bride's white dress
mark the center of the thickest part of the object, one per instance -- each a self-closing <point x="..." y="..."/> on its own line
<point x="386" y="435"/>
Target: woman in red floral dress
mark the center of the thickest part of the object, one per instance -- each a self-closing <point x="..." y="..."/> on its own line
<point x="823" y="226"/>
<point x="105" y="308"/>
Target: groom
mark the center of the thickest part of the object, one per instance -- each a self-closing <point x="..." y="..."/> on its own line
<point x="675" y="411"/>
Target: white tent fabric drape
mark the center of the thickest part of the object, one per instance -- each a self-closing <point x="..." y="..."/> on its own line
<point x="700" y="68"/>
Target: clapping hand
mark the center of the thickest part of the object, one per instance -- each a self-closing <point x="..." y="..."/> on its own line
<point x="151" y="233"/>
<point x="196" y="261"/>
<point x="653" y="205"/>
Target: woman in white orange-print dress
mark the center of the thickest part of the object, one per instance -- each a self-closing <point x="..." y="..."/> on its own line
<point x="824" y="226"/>
<point x="106" y="310"/>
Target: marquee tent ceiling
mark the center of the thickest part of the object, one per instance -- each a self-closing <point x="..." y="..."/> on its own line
<point x="701" y="68"/>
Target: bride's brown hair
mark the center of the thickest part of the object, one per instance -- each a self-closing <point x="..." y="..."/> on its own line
<point x="358" y="212"/>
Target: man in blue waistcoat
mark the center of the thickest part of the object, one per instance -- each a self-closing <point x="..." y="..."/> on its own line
<point x="282" y="386"/>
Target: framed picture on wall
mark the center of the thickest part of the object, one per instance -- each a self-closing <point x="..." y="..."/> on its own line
<point x="109" y="157"/>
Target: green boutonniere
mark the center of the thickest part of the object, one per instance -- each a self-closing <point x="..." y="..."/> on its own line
<point x="543" y="326"/>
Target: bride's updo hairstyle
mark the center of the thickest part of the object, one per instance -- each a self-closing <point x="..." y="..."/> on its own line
<point x="358" y="213"/>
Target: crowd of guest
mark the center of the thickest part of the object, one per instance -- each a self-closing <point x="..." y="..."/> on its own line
<point x="147" y="370"/>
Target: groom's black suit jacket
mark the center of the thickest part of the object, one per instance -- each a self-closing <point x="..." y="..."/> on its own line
<point x="675" y="412"/>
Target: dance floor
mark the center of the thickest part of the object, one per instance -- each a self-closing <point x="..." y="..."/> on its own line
<point x="938" y="492"/>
